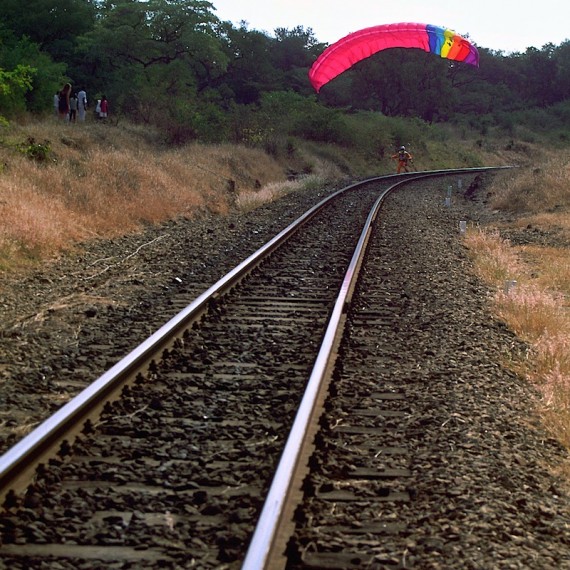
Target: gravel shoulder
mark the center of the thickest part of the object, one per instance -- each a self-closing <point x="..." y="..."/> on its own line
<point x="68" y="321"/>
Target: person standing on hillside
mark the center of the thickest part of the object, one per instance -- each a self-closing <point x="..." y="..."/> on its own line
<point x="403" y="157"/>
<point x="73" y="108"/>
<point x="104" y="108"/>
<point x="64" y="106"/>
<point x="81" y="104"/>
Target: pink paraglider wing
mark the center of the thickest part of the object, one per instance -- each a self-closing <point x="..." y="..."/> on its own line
<point x="359" y="45"/>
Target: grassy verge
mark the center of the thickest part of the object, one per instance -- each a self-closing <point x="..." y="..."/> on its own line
<point x="62" y="184"/>
<point x="537" y="307"/>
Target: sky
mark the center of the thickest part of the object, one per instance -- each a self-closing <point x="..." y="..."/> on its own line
<point x="501" y="25"/>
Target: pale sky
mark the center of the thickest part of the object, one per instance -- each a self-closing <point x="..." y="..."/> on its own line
<point x="501" y="25"/>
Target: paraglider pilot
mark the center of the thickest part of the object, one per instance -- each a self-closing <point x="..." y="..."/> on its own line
<point x="403" y="157"/>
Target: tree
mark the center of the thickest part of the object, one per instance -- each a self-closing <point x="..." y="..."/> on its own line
<point x="402" y="82"/>
<point x="292" y="53"/>
<point x="540" y="75"/>
<point x="147" y="55"/>
<point x="13" y="85"/>
<point x="30" y="76"/>
<point x="250" y="71"/>
<point x="54" y="25"/>
<point x="562" y="59"/>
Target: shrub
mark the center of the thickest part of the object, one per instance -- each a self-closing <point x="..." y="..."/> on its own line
<point x="40" y="152"/>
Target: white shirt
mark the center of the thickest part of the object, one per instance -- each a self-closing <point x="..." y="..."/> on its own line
<point x="82" y="99"/>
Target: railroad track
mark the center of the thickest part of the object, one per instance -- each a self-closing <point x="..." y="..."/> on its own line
<point x="174" y="473"/>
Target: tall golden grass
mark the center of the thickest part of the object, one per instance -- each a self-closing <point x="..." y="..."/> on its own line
<point x="537" y="308"/>
<point x="321" y="173"/>
<point x="548" y="182"/>
<point x="100" y="181"/>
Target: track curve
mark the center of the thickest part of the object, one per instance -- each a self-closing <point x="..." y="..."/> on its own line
<point x="193" y="502"/>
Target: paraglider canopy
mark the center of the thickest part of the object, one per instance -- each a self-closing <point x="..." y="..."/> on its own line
<point x="344" y="53"/>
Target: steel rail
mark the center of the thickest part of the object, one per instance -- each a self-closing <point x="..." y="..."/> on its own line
<point x="38" y="445"/>
<point x="267" y="543"/>
<point x="265" y="535"/>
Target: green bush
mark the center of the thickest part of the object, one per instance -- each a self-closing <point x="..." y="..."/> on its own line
<point x="40" y="152"/>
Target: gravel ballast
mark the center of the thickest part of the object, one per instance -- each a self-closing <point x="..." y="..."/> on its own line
<point x="65" y="324"/>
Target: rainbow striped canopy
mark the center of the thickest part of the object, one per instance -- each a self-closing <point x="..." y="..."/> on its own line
<point x="344" y="53"/>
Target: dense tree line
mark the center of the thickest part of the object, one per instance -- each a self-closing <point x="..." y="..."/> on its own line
<point x="176" y="65"/>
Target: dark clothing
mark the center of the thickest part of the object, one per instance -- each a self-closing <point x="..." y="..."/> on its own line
<point x="63" y="108"/>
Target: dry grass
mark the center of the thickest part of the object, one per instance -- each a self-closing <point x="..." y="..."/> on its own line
<point x="540" y="195"/>
<point x="247" y="201"/>
<point x="322" y="172"/>
<point x="551" y="266"/>
<point x="101" y="181"/>
<point x="537" y="308"/>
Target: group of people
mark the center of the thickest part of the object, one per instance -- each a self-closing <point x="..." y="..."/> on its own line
<point x="72" y="105"/>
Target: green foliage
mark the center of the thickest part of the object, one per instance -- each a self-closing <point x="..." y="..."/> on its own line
<point x="13" y="86"/>
<point x="293" y="114"/>
<point x="172" y="64"/>
<point x="53" y="25"/>
<point x="284" y="114"/>
<point x="29" y="77"/>
<point x="152" y="58"/>
<point x="18" y="79"/>
<point x="210" y="123"/>
<point x="323" y="125"/>
<point x="372" y="133"/>
<point x="39" y="152"/>
<point x="291" y="54"/>
<point x="400" y="82"/>
<point x="406" y="132"/>
<point x="250" y="71"/>
<point x="283" y="109"/>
